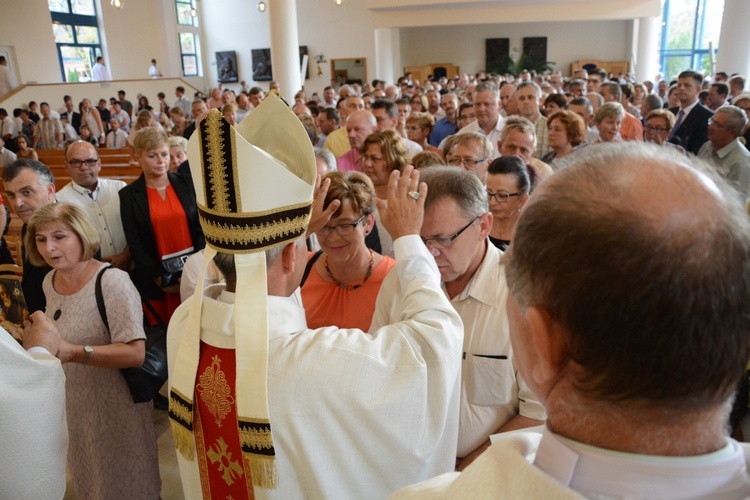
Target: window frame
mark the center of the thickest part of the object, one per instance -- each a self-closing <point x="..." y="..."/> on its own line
<point x="193" y="19"/>
<point x="696" y="53"/>
<point x="75" y="20"/>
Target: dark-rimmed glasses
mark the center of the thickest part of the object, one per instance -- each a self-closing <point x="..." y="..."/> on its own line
<point x="441" y="243"/>
<point x="91" y="163"/>
<point x="341" y="229"/>
<point x="500" y="197"/>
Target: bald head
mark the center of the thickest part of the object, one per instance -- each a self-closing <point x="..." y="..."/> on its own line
<point x="636" y="279"/>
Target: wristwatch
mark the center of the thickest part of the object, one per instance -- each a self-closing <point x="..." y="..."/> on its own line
<point x="87" y="350"/>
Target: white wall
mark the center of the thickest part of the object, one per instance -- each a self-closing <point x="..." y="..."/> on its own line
<point x="566" y="42"/>
<point x="29" y="30"/>
<point x="132" y="36"/>
<point x="335" y="31"/>
<point x="147" y="28"/>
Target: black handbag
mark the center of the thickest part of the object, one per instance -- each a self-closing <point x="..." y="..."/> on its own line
<point x="144" y="381"/>
<point x="172" y="265"/>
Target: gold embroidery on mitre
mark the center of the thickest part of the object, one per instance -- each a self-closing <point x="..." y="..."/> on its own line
<point x="222" y="458"/>
<point x="216" y="163"/>
<point x="242" y="234"/>
<point x="214" y="391"/>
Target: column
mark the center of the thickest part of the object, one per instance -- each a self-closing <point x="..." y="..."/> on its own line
<point x="647" y="61"/>
<point x="733" y="55"/>
<point x="387" y="55"/>
<point x="285" y="60"/>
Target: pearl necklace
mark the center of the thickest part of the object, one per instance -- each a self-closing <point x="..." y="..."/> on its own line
<point x="361" y="283"/>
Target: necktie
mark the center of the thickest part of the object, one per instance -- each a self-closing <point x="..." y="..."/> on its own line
<point x="680" y="117"/>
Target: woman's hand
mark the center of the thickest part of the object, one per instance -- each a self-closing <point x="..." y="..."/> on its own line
<point x="319" y="216"/>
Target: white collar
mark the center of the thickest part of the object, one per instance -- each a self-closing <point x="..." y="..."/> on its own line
<point x="689" y="108"/>
<point x="602" y="473"/>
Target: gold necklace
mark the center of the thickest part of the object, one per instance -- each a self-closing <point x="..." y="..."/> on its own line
<point x="352" y="287"/>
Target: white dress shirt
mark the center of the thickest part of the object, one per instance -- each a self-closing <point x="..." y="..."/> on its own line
<point x="103" y="209"/>
<point x="493" y="136"/>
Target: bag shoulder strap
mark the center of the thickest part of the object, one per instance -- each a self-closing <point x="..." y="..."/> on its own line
<point x="309" y="265"/>
<point x="100" y="297"/>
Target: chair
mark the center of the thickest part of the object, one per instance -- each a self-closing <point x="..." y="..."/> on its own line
<point x="11" y="270"/>
<point x="15" y="246"/>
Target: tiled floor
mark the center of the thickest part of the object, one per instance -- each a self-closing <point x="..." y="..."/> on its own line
<point x="171" y="488"/>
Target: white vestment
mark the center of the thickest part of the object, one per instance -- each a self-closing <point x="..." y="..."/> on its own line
<point x="33" y="428"/>
<point x="353" y="414"/>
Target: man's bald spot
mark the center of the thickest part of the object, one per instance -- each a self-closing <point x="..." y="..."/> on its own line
<point x="654" y="183"/>
<point x="362" y="116"/>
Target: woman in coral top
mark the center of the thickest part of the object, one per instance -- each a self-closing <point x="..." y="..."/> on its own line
<point x="160" y="219"/>
<point x="345" y="278"/>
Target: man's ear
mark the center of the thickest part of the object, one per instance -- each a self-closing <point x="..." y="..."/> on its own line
<point x="485" y="225"/>
<point x="51" y="192"/>
<point x="289" y="257"/>
<point x="549" y="340"/>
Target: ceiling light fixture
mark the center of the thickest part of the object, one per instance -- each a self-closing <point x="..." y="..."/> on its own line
<point x="262" y="6"/>
<point x="118" y="4"/>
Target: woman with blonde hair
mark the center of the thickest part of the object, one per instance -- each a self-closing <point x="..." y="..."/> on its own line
<point x="144" y="119"/>
<point x="419" y="103"/>
<point x="418" y="129"/>
<point x="608" y="120"/>
<point x="346" y="275"/>
<point x="382" y="153"/>
<point x="179" y="118"/>
<point x="91" y="117"/>
<point x="230" y="113"/>
<point x="112" y="451"/>
<point x="160" y="219"/>
<point x="177" y="152"/>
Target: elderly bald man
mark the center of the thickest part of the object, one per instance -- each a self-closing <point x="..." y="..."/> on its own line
<point x="629" y="322"/>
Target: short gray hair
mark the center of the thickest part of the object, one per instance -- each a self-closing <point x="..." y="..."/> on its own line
<point x="327" y="156"/>
<point x="470" y="138"/>
<point x="520" y="124"/>
<point x="462" y="186"/>
<point x="41" y="170"/>
<point x="487" y="87"/>
<point x="609" y="109"/>
<point x="530" y="83"/>
<point x="736" y="118"/>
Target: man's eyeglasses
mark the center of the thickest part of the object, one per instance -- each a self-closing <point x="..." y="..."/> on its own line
<point x="468" y="162"/>
<point x="441" y="243"/>
<point x="91" y="163"/>
<point x="341" y="229"/>
<point x="500" y="197"/>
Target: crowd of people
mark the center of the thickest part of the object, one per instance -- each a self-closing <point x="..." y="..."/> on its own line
<point x="436" y="204"/>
